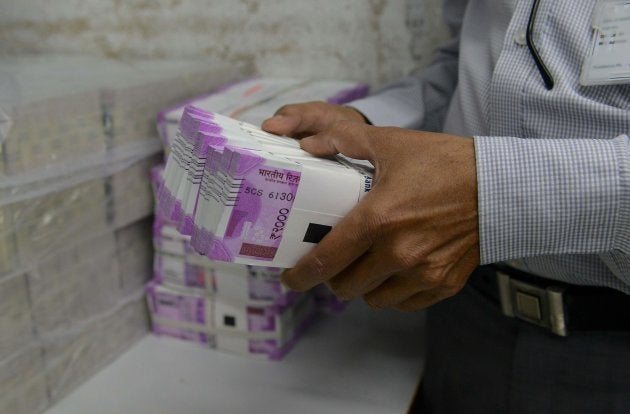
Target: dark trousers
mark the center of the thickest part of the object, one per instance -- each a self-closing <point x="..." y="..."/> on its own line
<point x="479" y="361"/>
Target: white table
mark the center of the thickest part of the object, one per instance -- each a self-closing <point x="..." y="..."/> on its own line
<point x="361" y="361"/>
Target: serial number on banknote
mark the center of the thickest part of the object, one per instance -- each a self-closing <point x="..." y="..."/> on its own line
<point x="272" y="195"/>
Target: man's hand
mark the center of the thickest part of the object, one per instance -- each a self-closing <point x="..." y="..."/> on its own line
<point x="309" y="118"/>
<point x="413" y="239"/>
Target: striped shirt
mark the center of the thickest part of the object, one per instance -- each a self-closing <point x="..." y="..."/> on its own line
<point x="553" y="166"/>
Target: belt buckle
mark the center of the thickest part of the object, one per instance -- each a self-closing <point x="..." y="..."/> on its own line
<point x="541" y="306"/>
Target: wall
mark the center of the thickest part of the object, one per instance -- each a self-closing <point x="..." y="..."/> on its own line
<point x="370" y="40"/>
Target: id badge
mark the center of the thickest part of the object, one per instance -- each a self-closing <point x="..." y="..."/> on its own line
<point x="608" y="60"/>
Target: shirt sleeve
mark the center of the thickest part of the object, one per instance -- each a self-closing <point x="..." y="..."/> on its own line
<point x="421" y="100"/>
<point x="542" y="197"/>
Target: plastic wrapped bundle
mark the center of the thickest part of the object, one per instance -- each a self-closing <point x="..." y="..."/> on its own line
<point x="44" y="123"/>
<point x="149" y="86"/>
<point x="73" y="355"/>
<point x="254" y="100"/>
<point x="167" y="239"/>
<point x="23" y="382"/>
<point x="59" y="108"/>
<point x="261" y="331"/>
<point x="75" y="284"/>
<point x="135" y="255"/>
<point x="260" y="199"/>
<point x="255" y="285"/>
<point x="54" y="220"/>
<point x="208" y="151"/>
<point x="16" y="322"/>
<point x="82" y="305"/>
<point x="130" y="193"/>
<point x="178" y="263"/>
<point x="40" y="215"/>
<point x="77" y="141"/>
<point x="8" y="251"/>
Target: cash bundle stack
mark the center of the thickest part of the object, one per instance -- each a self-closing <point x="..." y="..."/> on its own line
<point x="254" y="100"/>
<point x="225" y="306"/>
<point x="266" y="327"/>
<point x="247" y="196"/>
<point x="217" y="298"/>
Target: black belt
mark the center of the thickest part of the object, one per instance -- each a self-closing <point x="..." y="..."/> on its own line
<point x="556" y="306"/>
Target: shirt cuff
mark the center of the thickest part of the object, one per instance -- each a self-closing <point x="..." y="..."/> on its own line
<point x="550" y="196"/>
<point x="390" y="108"/>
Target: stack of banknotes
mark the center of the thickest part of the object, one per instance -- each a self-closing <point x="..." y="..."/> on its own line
<point x="247" y="196"/>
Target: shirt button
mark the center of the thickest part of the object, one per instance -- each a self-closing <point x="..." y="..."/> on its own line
<point x="520" y="38"/>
